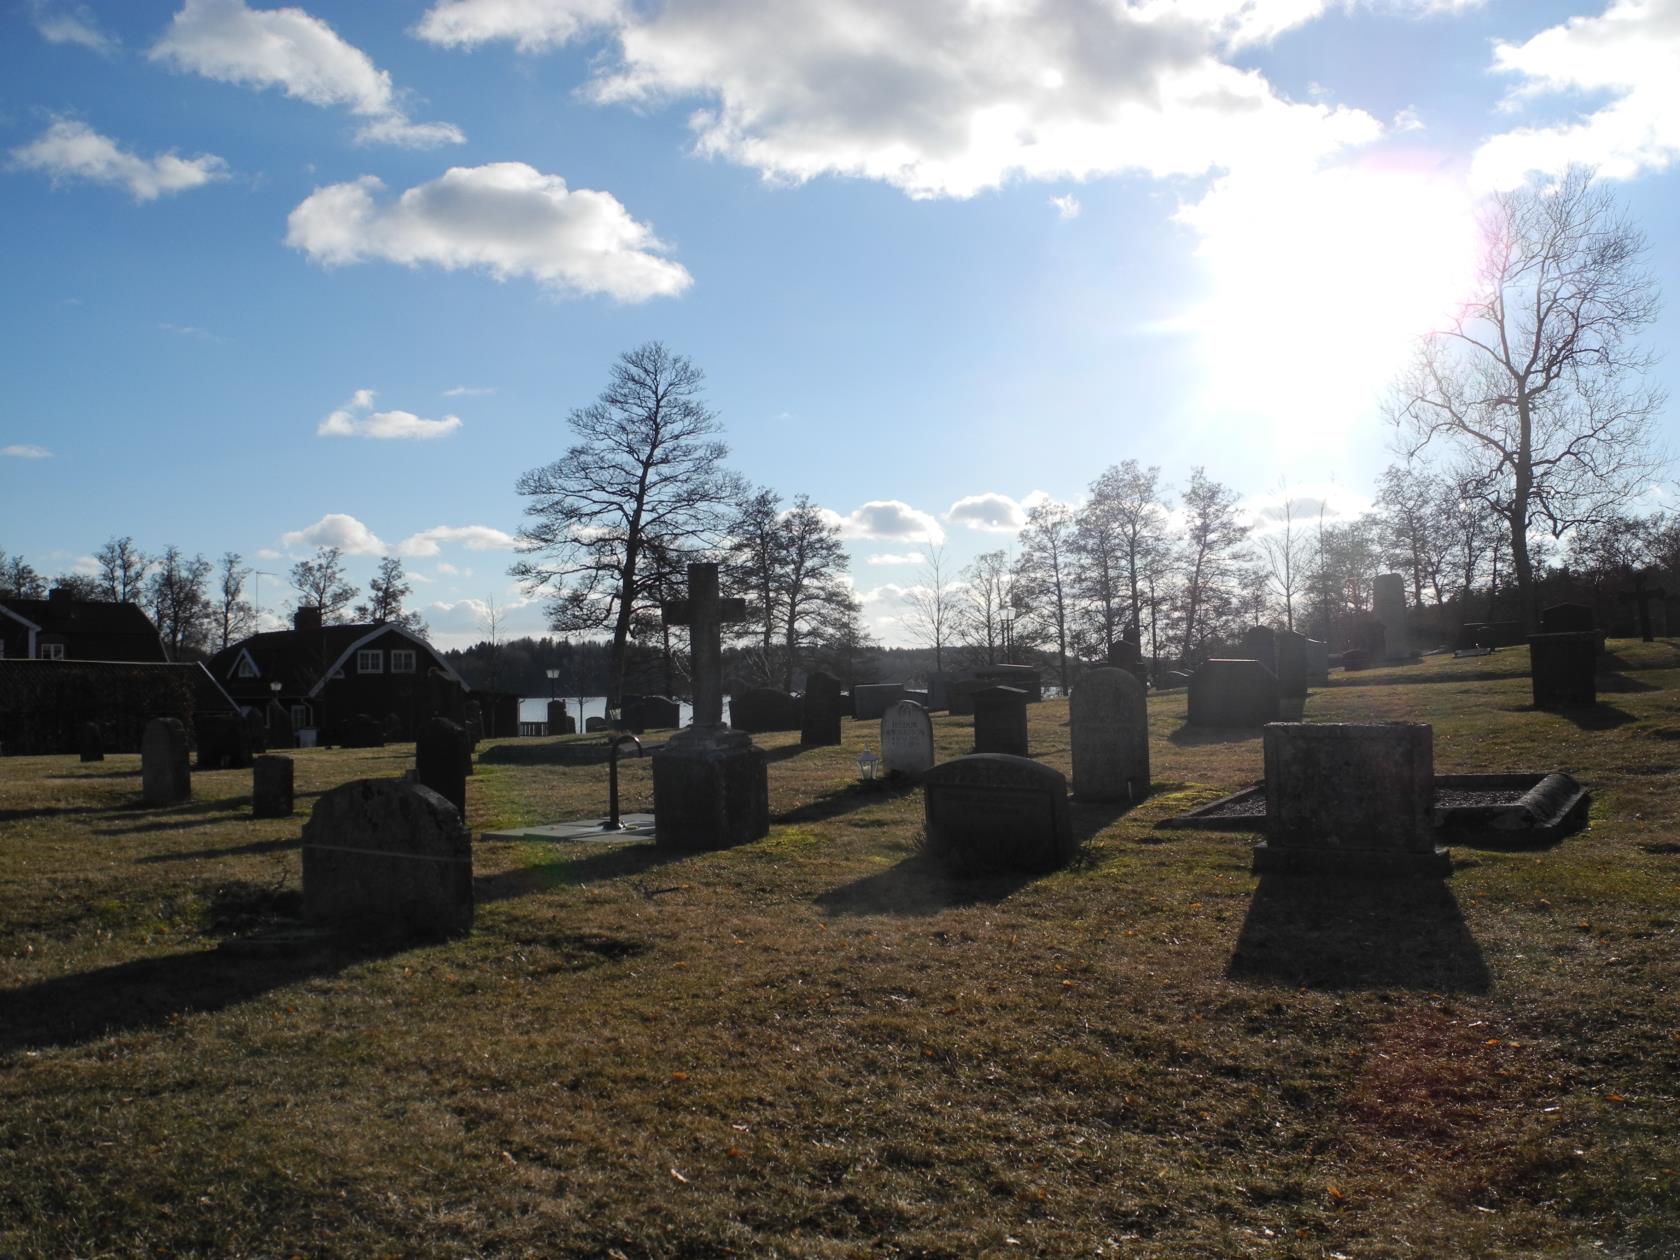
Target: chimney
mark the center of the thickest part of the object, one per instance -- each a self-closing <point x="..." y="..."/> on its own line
<point x="59" y="598"/>
<point x="307" y="621"/>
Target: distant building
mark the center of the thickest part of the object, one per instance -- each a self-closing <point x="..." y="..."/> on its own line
<point x="62" y="628"/>
<point x="323" y="676"/>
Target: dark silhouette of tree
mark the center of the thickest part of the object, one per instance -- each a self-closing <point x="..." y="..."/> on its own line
<point x="384" y="605"/>
<point x="234" y="616"/>
<point x="19" y="580"/>
<point x="178" y="592"/>
<point x="320" y="583"/>
<point x="1210" y="557"/>
<point x="122" y="570"/>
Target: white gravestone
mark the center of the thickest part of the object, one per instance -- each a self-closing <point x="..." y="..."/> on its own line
<point x="907" y="739"/>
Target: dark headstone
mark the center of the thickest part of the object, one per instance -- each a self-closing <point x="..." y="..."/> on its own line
<point x="441" y="753"/>
<point x="256" y="732"/>
<point x="1021" y="677"/>
<point x="1108" y="715"/>
<point x="710" y="793"/>
<point x="271" y="787"/>
<point x="1233" y="693"/>
<point x="557" y="717"/>
<point x="594" y="725"/>
<point x="1318" y="661"/>
<point x="960" y="695"/>
<point x="165" y="775"/>
<point x="871" y="700"/>
<point x="1260" y="644"/>
<point x="990" y="813"/>
<point x="1173" y="679"/>
<point x="1491" y="634"/>
<point x="661" y="713"/>
<point x="937" y="696"/>
<point x="1000" y="721"/>
<point x="907" y="740"/>
<point x="1367" y="635"/>
<point x="1566" y="619"/>
<point x="472" y="717"/>
<point x="1125" y="652"/>
<point x="362" y="731"/>
<point x="764" y="709"/>
<point x="91" y="742"/>
<point x="1353" y="799"/>
<point x="280" y="733"/>
<point x="1355" y="659"/>
<point x="222" y="741"/>
<point x="917" y="695"/>
<point x="1388" y="604"/>
<point x="388" y="858"/>
<point x="820" y="709"/>
<point x="1291" y="664"/>
<point x="1563" y="669"/>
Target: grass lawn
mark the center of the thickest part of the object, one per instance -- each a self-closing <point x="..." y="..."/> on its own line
<point x="815" y="1046"/>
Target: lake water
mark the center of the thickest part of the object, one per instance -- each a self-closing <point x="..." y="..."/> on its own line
<point x="535" y="709"/>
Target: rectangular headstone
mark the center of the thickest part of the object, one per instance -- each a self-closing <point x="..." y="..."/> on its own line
<point x="91" y="743"/>
<point x="1318" y="661"/>
<point x="820" y="710"/>
<point x="271" y="787"/>
<point x="992" y="813"/>
<point x="1566" y="618"/>
<point x="1388" y="601"/>
<point x="1563" y="669"/>
<point x="1021" y="677"/>
<point x="959" y="695"/>
<point x="1291" y="657"/>
<point x="764" y="709"/>
<point x="907" y="739"/>
<point x="441" y="757"/>
<point x="871" y="700"/>
<point x="1000" y="721"/>
<point x="1108" y="716"/>
<point x="165" y="775"/>
<point x="1232" y="693"/>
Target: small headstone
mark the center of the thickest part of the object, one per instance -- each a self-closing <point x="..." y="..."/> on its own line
<point x="820" y="709"/>
<point x="871" y="700"/>
<point x="907" y="739"/>
<point x="256" y="732"/>
<point x="764" y="709"/>
<point x="916" y="694"/>
<point x="362" y="731"/>
<point x="1318" y="661"/>
<point x="91" y="742"/>
<point x="1351" y="799"/>
<point x="1355" y="659"/>
<point x="959" y="695"/>
<point x="280" y="733"/>
<point x="472" y="717"/>
<point x="594" y="725"/>
<point x="388" y="858"/>
<point x="938" y="697"/>
<point x="165" y="776"/>
<point x="1233" y="693"/>
<point x="1493" y="634"/>
<point x="1000" y="721"/>
<point x="441" y="754"/>
<point x="1021" y="677"/>
<point x="1563" y="669"/>
<point x="222" y="742"/>
<point x="1566" y="618"/>
<point x="1109" y="719"/>
<point x="989" y="813"/>
<point x="1291" y="656"/>
<point x="1388" y="602"/>
<point x="1173" y="679"/>
<point x="1260" y="644"/>
<point x="271" y="787"/>
<point x="557" y="717"/>
<point x="661" y="713"/>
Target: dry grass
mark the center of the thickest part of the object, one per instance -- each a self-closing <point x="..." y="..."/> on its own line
<point x="814" y="1046"/>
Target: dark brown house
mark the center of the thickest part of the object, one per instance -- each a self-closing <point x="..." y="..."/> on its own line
<point x="61" y="628"/>
<point x="325" y="677"/>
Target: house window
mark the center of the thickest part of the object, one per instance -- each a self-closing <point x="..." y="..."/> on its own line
<point x="402" y="662"/>
<point x="52" y="651"/>
<point x="300" y="716"/>
<point x="247" y="669"/>
<point x="370" y="661"/>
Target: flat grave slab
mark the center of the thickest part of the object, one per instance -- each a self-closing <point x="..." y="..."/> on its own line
<point x="588" y="830"/>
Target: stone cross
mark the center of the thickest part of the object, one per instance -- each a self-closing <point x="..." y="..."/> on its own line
<point x="1643" y="595"/>
<point x="704" y="613"/>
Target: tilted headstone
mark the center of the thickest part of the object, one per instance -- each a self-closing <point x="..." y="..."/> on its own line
<point x="441" y="753"/>
<point x="91" y="743"/>
<point x="820" y="710"/>
<point x="1233" y="693"/>
<point x="1388" y="602"/>
<point x="1350" y="798"/>
<point x="871" y="700"/>
<point x="959" y="695"/>
<point x="1000" y="721"/>
<point x="907" y="739"/>
<point x="1108" y="716"/>
<point x="388" y="858"/>
<point x="764" y="709"/>
<point x="1563" y="669"/>
<point x="993" y="813"/>
<point x="271" y="787"/>
<point x="1291" y="654"/>
<point x="165" y="775"/>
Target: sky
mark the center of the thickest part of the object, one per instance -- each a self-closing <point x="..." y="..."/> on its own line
<point x="279" y="277"/>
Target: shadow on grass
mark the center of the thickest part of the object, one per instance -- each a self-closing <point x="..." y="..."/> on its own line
<point x="237" y="850"/>
<point x="1188" y="736"/>
<point x="95" y="774"/>
<point x="1090" y="818"/>
<point x="573" y="868"/>
<point x="1384" y="678"/>
<point x="53" y="811"/>
<point x="1329" y="933"/>
<point x="844" y="800"/>
<point x="786" y="751"/>
<point x="202" y="813"/>
<point x="1619" y="682"/>
<point x="919" y="885"/>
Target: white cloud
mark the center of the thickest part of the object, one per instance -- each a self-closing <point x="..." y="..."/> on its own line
<point x="991" y="512"/>
<point x="887" y="519"/>
<point x="70" y="150"/>
<point x="1067" y="206"/>
<point x="191" y="330"/>
<point x="447" y="569"/>
<point x="71" y="24"/>
<point x="337" y="530"/>
<point x="269" y="553"/>
<point x="357" y="418"/>
<point x="87" y="566"/>
<point x="896" y="558"/>
<point x="1407" y="119"/>
<point x="472" y="537"/>
<point x="299" y="54"/>
<point x="506" y="218"/>
<point x="469" y="391"/>
<point x="1263" y="513"/>
<point x="531" y="25"/>
<point x="24" y="450"/>
<point x="1630" y="53"/>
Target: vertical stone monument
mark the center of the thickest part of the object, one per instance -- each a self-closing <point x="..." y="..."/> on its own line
<point x="271" y="786"/>
<point x="1000" y="721"/>
<point x="907" y="740"/>
<point x="1388" y="602"/>
<point x="165" y="774"/>
<point x="441" y="754"/>
<point x="819" y="717"/>
<point x="1563" y="669"/>
<point x="1109" y="717"/>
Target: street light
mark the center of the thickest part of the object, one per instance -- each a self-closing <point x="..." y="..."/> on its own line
<point x="552" y="675"/>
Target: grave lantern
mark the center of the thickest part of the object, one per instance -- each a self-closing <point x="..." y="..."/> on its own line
<point x="868" y="766"/>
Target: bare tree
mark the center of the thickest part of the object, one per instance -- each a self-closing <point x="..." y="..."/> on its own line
<point x="319" y="582"/>
<point x="1538" y="382"/>
<point x="386" y="591"/>
<point x="645" y="469"/>
<point x="234" y="616"/>
<point x="178" y="594"/>
<point x="985" y="615"/>
<point x="1209" y="556"/>
<point x="1412" y="533"/>
<point x="816" y="600"/>
<point x="1046" y="571"/>
<point x="1121" y="533"/>
<point x="1288" y="553"/>
<point x="754" y="551"/>
<point x="122" y="570"/>
<point x="934" y="604"/>
<point x="490" y="622"/>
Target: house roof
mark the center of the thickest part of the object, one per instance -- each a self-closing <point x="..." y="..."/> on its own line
<point x="208" y="695"/>
<point x="92" y="630"/>
<point x="300" y="666"/>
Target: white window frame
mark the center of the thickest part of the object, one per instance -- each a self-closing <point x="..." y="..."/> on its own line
<point x="300" y="716"/>
<point x="370" y="661"/>
<point x="404" y="661"/>
<point x="248" y="668"/>
<point x="52" y="651"/>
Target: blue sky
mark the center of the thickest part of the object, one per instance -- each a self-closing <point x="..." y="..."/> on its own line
<point x="336" y="273"/>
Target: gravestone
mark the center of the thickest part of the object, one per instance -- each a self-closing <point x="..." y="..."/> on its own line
<point x="711" y="785"/>
<point x="1563" y="669"/>
<point x="558" y="718"/>
<point x="1173" y="679"/>
<point x="387" y="858"/>
<point x="938" y="696"/>
<point x="907" y="739"/>
<point x="1123" y="652"/>
<point x="271" y="787"/>
<point x="1021" y="677"/>
<point x="1260" y="644"/>
<point x="959" y="696"/>
<point x="1369" y="636"/>
<point x="1492" y="634"/>
<point x="1109" y="719"/>
<point x="280" y="733"/>
<point x="1642" y="596"/>
<point x="631" y="716"/>
<point x="472" y="717"/>
<point x="91" y="743"/>
<point x="764" y="709"/>
<point x="1566" y="619"/>
<point x="871" y="700"/>
<point x="1388" y="602"/>
<point x="917" y="695"/>
<point x="661" y="713"/>
<point x="441" y="754"/>
<point x="1232" y="693"/>
<point x="1291" y="664"/>
<point x="1347" y="798"/>
<point x="819" y="711"/>
<point x="1000" y="721"/>
<point x="594" y="725"/>
<point x="993" y="813"/>
<point x="165" y="776"/>
<point x="1356" y="659"/>
<point x="1318" y="661"/>
<point x="256" y="732"/>
<point x="222" y="743"/>
<point x="362" y="731"/>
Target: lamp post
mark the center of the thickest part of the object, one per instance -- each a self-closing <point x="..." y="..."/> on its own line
<point x="552" y="675"/>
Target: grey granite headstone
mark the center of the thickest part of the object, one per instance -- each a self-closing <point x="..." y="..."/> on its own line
<point x="91" y="743"/>
<point x="1233" y="693"/>
<point x="820" y="710"/>
<point x="871" y="700"/>
<point x="1388" y="601"/>
<point x="959" y="695"/>
<point x="907" y="739"/>
<point x="594" y="725"/>
<point x="388" y="858"/>
<point x="271" y="787"/>
<point x="1563" y="669"/>
<point x="762" y="709"/>
<point x="1260" y="644"/>
<point x="991" y="813"/>
<point x="165" y="775"/>
<point x="1022" y="677"/>
<point x="1291" y="655"/>
<point x="1000" y="721"/>
<point x="441" y="753"/>
<point x="1318" y="661"/>
<point x="1109" y="719"/>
